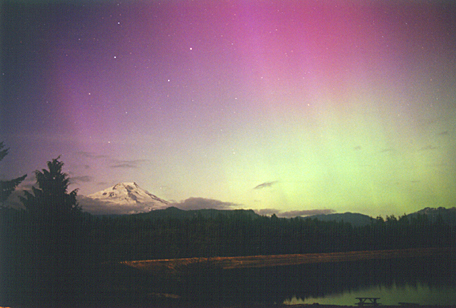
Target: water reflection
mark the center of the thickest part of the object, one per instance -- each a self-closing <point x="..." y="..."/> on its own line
<point x="421" y="294"/>
<point x="421" y="280"/>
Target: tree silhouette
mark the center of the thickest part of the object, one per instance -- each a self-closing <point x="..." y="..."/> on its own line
<point x="51" y="199"/>
<point x="57" y="237"/>
<point x="7" y="187"/>
<point x="9" y="234"/>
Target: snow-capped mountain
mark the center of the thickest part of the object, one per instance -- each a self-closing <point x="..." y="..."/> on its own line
<point x="122" y="198"/>
<point x="127" y="193"/>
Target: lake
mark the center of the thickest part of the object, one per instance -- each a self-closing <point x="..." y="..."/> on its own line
<point x="424" y="280"/>
<point x="421" y="293"/>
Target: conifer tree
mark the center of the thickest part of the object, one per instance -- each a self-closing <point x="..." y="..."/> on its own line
<point x="57" y="236"/>
<point x="9" y="237"/>
<point x="51" y="200"/>
<point x="7" y="187"/>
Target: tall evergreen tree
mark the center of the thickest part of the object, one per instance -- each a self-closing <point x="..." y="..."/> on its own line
<point x="51" y="199"/>
<point x="7" y="187"/>
<point x="9" y="236"/>
<point x="58" y="237"/>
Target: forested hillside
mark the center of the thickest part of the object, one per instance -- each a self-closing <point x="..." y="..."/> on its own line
<point x="238" y="233"/>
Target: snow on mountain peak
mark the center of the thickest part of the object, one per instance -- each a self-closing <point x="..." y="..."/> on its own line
<point x="126" y="185"/>
<point x="125" y="198"/>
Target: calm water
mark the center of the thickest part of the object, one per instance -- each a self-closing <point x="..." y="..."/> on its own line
<point x="391" y="295"/>
<point x="427" y="281"/>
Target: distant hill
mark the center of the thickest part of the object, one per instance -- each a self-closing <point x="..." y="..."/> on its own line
<point x="355" y="219"/>
<point x="174" y="212"/>
<point x="448" y="215"/>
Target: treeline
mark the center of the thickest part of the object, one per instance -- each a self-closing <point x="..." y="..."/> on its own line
<point x="240" y="234"/>
<point x="58" y="263"/>
<point x="50" y="252"/>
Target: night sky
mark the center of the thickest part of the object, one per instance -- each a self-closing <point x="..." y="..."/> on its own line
<point x="291" y="107"/>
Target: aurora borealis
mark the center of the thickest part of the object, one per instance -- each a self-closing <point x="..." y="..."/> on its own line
<point x="276" y="106"/>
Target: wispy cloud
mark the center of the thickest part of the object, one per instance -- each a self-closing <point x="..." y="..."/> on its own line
<point x="79" y="179"/>
<point x="125" y="165"/>
<point x="306" y="212"/>
<point x="265" y="184"/>
<point x="429" y="147"/>
<point x="128" y="164"/>
<point x="203" y="203"/>
<point x="90" y="155"/>
<point x="267" y="212"/>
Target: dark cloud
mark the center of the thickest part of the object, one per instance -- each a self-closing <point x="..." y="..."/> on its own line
<point x="357" y="147"/>
<point x="125" y="165"/>
<point x="79" y="179"/>
<point x="128" y="164"/>
<point x="267" y="212"/>
<point x="291" y="214"/>
<point x="265" y="184"/>
<point x="203" y="203"/>
<point x="90" y="155"/>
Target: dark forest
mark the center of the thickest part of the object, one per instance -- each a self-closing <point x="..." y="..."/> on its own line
<point x="52" y="250"/>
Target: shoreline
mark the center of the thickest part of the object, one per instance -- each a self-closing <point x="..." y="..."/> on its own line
<point x="175" y="266"/>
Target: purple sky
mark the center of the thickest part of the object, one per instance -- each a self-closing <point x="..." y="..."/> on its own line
<point x="270" y="105"/>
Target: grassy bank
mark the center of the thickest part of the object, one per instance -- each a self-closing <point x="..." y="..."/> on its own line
<point x="174" y="266"/>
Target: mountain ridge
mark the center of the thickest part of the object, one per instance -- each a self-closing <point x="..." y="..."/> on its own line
<point x="128" y="198"/>
<point x="176" y="213"/>
<point x="448" y="215"/>
<point x="356" y="219"/>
